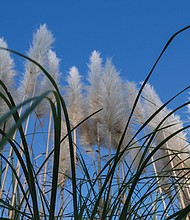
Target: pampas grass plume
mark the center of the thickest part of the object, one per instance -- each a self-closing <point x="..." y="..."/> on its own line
<point x="112" y="102"/>
<point x="53" y="63"/>
<point x="89" y="134"/>
<point x="74" y="97"/>
<point x="94" y="79"/>
<point x="7" y="74"/>
<point x="42" y="41"/>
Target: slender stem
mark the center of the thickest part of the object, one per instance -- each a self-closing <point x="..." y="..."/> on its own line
<point x="123" y="178"/>
<point x="181" y="201"/>
<point x="109" y="157"/>
<point x="99" y="170"/>
<point x="75" y="144"/>
<point x="118" y="185"/>
<point x="159" y="185"/>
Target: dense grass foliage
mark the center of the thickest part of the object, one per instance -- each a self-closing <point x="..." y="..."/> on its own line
<point x="103" y="149"/>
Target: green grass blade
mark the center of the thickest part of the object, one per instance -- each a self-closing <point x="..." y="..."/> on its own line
<point x="56" y="112"/>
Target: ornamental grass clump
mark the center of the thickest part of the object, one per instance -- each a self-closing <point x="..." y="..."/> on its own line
<point x="94" y="147"/>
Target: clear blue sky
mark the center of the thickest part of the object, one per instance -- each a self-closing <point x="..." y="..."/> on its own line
<point x="132" y="32"/>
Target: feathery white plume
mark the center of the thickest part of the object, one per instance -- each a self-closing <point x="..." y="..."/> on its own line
<point x="89" y="134"/>
<point x="131" y="92"/>
<point x="74" y="97"/>
<point x="53" y="69"/>
<point x="7" y="75"/>
<point x="112" y="101"/>
<point x="42" y="41"/>
<point x="151" y="103"/>
<point x="94" y="78"/>
<point x="114" y="115"/>
<point x="7" y="72"/>
<point x="178" y="143"/>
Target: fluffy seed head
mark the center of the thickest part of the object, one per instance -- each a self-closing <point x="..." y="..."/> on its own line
<point x="42" y="41"/>
<point x="94" y="78"/>
<point x="53" y="69"/>
<point x="74" y="97"/>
